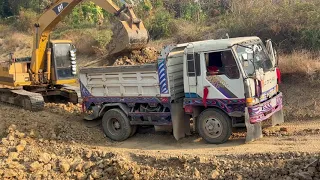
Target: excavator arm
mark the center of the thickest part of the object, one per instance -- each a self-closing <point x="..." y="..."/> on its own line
<point x="129" y="33"/>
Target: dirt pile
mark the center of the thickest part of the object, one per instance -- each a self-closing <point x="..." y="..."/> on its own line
<point x="22" y="156"/>
<point x="136" y="57"/>
<point x="57" y="122"/>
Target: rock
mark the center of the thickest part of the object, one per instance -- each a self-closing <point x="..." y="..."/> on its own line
<point x="4" y="141"/>
<point x="9" y="174"/>
<point x="91" y="178"/>
<point x="13" y="155"/>
<point x="312" y="169"/>
<point x="45" y="158"/>
<point x="47" y="167"/>
<point x="88" y="154"/>
<point x="304" y="175"/>
<point x="196" y="173"/>
<point x="110" y="170"/>
<point x="10" y="137"/>
<point x="284" y="129"/>
<point x="97" y="173"/>
<point x="87" y="165"/>
<point x="64" y="167"/>
<point x="20" y="148"/>
<point x="23" y="142"/>
<point x="53" y="135"/>
<point x="20" y="135"/>
<point x="32" y="133"/>
<point x="35" y="166"/>
<point x="80" y="175"/>
<point x="214" y="174"/>
<point x="11" y="128"/>
<point x="79" y="167"/>
<point x="3" y="152"/>
<point x="239" y="177"/>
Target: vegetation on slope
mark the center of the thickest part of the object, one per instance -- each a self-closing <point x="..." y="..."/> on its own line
<point x="292" y="25"/>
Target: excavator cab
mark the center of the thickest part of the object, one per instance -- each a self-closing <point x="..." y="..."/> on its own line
<point x="64" y="65"/>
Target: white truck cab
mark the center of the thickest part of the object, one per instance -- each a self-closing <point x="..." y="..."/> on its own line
<point x="220" y="84"/>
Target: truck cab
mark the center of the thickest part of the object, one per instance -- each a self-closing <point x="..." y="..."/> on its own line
<point x="233" y="76"/>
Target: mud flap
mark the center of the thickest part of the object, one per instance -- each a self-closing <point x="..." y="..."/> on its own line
<point x="94" y="115"/>
<point x="277" y="118"/>
<point x="180" y="124"/>
<point x="254" y="131"/>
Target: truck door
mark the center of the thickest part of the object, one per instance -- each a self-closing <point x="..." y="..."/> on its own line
<point x="272" y="52"/>
<point x="223" y="77"/>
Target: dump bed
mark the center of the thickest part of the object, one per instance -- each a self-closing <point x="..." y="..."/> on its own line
<point x="112" y="81"/>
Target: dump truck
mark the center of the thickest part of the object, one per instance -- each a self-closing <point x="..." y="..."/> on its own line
<point x="51" y="70"/>
<point x="206" y="86"/>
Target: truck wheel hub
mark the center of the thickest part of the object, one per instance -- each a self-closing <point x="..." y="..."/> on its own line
<point x="213" y="127"/>
<point x="116" y="124"/>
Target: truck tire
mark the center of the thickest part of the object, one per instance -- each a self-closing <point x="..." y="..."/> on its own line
<point x="116" y="125"/>
<point x="214" y="126"/>
<point x="133" y="130"/>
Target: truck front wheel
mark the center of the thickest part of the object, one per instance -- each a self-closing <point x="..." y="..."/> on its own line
<point x="214" y="126"/>
<point x="116" y="125"/>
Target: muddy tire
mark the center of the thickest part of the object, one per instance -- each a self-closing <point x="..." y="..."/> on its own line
<point x="214" y="126"/>
<point x="133" y="130"/>
<point x="116" y="125"/>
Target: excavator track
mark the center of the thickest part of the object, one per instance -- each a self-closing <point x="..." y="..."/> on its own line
<point x="22" y="98"/>
<point x="75" y="91"/>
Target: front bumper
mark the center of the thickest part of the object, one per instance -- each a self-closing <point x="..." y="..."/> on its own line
<point x="263" y="111"/>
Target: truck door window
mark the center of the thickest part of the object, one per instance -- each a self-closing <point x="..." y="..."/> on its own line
<point x="222" y="62"/>
<point x="193" y="61"/>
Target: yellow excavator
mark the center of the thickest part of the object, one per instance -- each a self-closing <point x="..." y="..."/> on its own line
<point x="47" y="75"/>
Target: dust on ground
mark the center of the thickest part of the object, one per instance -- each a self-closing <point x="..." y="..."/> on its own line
<point x="57" y="144"/>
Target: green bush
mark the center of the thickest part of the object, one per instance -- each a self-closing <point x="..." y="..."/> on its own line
<point x="158" y="24"/>
<point x="292" y="26"/>
<point x="192" y="12"/>
<point x="87" y="41"/>
<point x="25" y="21"/>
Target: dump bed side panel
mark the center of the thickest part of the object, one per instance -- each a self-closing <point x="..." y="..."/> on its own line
<point x="123" y="81"/>
<point x="175" y="73"/>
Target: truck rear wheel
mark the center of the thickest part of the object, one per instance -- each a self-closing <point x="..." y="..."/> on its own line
<point x="214" y="126"/>
<point x="133" y="130"/>
<point x="116" y="125"/>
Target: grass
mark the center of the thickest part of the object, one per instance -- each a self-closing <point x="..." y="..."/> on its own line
<point x="300" y="62"/>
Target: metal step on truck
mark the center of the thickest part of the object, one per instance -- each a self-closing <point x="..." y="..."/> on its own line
<point x="211" y="86"/>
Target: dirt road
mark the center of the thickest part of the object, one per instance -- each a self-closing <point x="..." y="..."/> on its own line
<point x="57" y="143"/>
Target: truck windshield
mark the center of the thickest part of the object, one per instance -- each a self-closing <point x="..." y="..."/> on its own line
<point x="260" y="59"/>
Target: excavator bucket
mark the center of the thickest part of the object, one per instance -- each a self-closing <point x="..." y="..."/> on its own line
<point x="127" y="37"/>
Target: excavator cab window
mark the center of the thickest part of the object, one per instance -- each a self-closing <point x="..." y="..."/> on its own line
<point x="62" y="60"/>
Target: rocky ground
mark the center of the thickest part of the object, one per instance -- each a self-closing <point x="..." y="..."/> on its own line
<point x="57" y="144"/>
